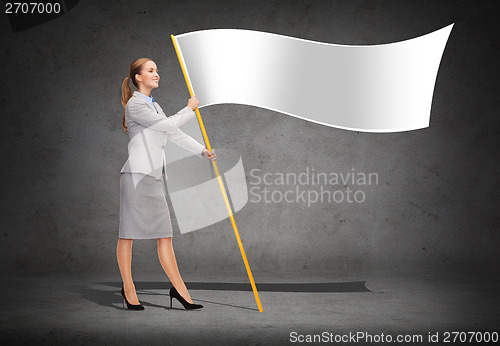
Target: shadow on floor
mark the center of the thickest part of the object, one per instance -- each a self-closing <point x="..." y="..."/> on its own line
<point x="356" y="286"/>
<point x="113" y="299"/>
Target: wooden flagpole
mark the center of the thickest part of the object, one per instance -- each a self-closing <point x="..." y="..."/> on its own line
<point x="219" y="179"/>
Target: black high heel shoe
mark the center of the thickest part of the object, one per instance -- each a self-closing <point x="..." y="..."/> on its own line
<point x="130" y="306"/>
<point x="188" y="306"/>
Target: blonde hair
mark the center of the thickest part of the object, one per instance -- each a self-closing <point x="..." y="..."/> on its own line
<point x="135" y="68"/>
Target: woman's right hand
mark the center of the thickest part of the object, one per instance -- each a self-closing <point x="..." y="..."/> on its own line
<point x="193" y="102"/>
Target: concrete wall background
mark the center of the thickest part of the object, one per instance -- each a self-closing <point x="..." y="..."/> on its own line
<point x="435" y="207"/>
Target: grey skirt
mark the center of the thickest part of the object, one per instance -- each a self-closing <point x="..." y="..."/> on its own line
<point x="144" y="210"/>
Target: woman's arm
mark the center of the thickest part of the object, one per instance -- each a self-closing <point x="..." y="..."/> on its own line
<point x="185" y="141"/>
<point x="142" y="114"/>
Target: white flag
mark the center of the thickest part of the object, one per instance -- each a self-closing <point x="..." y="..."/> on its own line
<point x="377" y="88"/>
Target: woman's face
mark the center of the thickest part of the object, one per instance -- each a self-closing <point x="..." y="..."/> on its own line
<point x="149" y="76"/>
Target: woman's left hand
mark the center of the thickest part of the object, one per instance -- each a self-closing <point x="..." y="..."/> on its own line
<point x="210" y="155"/>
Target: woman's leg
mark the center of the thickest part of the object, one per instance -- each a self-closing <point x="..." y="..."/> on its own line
<point x="169" y="264"/>
<point x="124" y="257"/>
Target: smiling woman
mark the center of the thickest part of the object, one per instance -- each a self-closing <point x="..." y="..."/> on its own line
<point x="149" y="79"/>
<point x="144" y="212"/>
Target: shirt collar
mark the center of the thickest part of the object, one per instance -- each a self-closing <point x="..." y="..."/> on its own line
<point x="148" y="98"/>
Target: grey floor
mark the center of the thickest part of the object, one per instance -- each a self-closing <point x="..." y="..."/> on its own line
<point x="63" y="310"/>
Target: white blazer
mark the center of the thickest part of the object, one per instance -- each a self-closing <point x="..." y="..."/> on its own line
<point x="149" y="131"/>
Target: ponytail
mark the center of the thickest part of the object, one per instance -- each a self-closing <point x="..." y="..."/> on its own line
<point x="126" y="95"/>
<point x="127" y="92"/>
